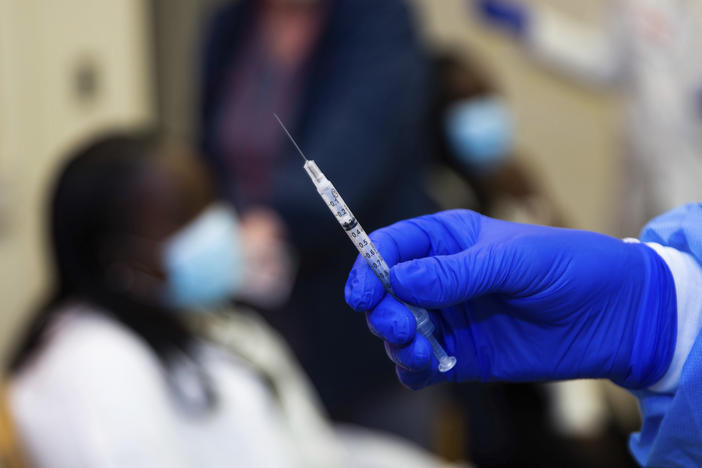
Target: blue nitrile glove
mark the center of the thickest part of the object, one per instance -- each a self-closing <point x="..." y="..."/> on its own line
<point x="517" y="302"/>
<point x="511" y="16"/>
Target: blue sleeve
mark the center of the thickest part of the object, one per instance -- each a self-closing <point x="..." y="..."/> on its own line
<point x="671" y="433"/>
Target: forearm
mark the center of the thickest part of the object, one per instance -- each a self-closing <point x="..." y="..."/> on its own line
<point x="669" y="407"/>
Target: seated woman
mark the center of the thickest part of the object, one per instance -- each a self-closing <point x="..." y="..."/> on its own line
<point x="113" y="371"/>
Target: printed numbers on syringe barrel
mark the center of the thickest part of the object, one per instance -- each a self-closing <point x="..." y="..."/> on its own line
<point x="374" y="260"/>
<point x="335" y="203"/>
<point x="359" y="237"/>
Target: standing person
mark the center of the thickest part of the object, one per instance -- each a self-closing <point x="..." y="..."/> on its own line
<point x="350" y="81"/>
<point x="647" y="50"/>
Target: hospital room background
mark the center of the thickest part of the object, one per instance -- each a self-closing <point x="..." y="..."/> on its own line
<point x="72" y="69"/>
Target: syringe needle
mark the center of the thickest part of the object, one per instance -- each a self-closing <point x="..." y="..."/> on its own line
<point x="290" y="136"/>
<point x="369" y="252"/>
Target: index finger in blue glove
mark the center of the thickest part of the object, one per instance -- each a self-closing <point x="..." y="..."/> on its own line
<point x="392" y="321"/>
<point x="363" y="290"/>
<point x="396" y="243"/>
<point x="415" y="356"/>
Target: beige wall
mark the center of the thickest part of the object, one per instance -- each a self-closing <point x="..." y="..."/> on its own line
<point x="43" y="46"/>
<point x="178" y="31"/>
<point x="567" y="132"/>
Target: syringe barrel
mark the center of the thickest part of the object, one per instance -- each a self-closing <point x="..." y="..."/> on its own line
<point x="348" y="222"/>
<point x="360" y="240"/>
<point x="370" y="253"/>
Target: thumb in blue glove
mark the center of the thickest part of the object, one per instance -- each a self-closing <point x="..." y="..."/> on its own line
<point x="517" y="302"/>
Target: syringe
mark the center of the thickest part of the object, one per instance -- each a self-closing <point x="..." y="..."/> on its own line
<point x="366" y="248"/>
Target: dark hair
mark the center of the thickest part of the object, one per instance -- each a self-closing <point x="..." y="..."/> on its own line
<point x="458" y="77"/>
<point x="93" y="200"/>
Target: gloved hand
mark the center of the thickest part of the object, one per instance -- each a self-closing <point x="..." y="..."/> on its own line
<point x="517" y="302"/>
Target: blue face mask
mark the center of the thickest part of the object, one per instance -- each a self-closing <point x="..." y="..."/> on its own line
<point x="480" y="132"/>
<point x="204" y="261"/>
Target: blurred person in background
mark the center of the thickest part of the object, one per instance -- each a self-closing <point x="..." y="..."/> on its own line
<point x="476" y="165"/>
<point x="473" y="133"/>
<point x="137" y="361"/>
<point x="647" y="49"/>
<point x="350" y="81"/>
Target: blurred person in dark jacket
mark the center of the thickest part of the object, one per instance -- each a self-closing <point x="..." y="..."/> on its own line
<point x="349" y="79"/>
<point x="474" y="132"/>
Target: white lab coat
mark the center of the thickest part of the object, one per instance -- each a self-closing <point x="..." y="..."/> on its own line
<point x="97" y="397"/>
<point x="650" y="49"/>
